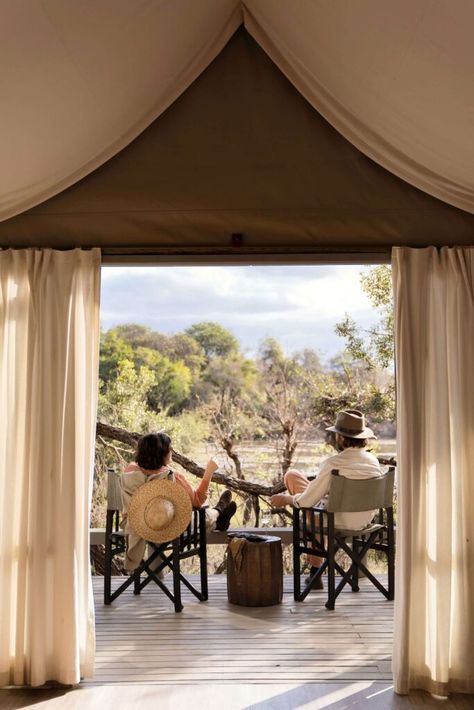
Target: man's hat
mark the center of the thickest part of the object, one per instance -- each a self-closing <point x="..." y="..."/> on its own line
<point x="351" y="423"/>
<point x="159" y="511"/>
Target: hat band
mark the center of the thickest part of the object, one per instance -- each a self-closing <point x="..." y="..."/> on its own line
<point x="348" y="432"/>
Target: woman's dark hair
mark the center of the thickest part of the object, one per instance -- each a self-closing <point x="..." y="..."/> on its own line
<point x="152" y="450"/>
<point x="348" y="441"/>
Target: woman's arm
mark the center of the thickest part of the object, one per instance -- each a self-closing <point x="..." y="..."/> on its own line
<point x="200" y="494"/>
<point x="202" y="491"/>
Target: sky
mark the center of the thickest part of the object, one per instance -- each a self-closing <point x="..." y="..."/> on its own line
<point x="297" y="305"/>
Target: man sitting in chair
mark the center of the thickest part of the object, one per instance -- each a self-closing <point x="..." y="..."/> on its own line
<point x="352" y="461"/>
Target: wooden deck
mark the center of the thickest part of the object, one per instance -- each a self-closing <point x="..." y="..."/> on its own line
<point x="140" y="640"/>
<point x="215" y="655"/>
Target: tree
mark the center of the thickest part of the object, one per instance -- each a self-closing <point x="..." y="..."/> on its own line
<point x="228" y="395"/>
<point x="175" y="347"/>
<point x="142" y="336"/>
<point x="310" y="361"/>
<point x="287" y="398"/>
<point x="113" y="350"/>
<point x="228" y="389"/>
<point x="214" y="339"/>
<point x="373" y="346"/>
<point x="173" y="380"/>
<point x="367" y="363"/>
<point x="187" y="349"/>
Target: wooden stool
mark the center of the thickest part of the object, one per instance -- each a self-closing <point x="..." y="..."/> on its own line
<point x="254" y="570"/>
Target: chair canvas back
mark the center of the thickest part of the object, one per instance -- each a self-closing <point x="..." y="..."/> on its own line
<point x="114" y="491"/>
<point x="350" y="495"/>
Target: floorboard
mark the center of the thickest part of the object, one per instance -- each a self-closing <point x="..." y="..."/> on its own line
<point x="141" y="639"/>
<point x="215" y="655"/>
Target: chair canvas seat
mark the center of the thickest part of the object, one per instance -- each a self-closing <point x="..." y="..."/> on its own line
<point x="342" y="532"/>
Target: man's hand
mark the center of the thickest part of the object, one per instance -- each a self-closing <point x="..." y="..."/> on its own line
<point x="281" y="499"/>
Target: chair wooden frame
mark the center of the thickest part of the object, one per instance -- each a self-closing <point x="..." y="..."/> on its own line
<point x="315" y="533"/>
<point x="169" y="554"/>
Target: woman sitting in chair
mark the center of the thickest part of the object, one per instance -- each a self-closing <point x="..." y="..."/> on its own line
<point x="152" y="461"/>
<point x="352" y="461"/>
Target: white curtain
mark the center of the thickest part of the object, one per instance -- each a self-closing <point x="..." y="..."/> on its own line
<point x="49" y="342"/>
<point x="434" y="601"/>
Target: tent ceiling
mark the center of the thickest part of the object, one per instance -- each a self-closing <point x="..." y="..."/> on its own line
<point x="240" y="152"/>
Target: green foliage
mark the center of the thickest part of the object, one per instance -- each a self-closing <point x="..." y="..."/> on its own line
<point x="366" y="378"/>
<point x="373" y="346"/>
<point x="333" y="391"/>
<point x="197" y="385"/>
<point x="123" y="400"/>
<point x="184" y="347"/>
<point x="287" y="397"/>
<point x="213" y="338"/>
<point x="229" y="394"/>
<point x="199" y="388"/>
<point x="113" y="349"/>
<point x="173" y="380"/>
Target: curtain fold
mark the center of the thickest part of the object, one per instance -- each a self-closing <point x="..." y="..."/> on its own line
<point x="80" y="81"/>
<point x="434" y="335"/>
<point x="395" y="79"/>
<point x="49" y="346"/>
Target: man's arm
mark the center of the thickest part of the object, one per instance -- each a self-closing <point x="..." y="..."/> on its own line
<point x="316" y="490"/>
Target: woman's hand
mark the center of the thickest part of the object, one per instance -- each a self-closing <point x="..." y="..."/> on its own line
<point x="281" y="499"/>
<point x="211" y="467"/>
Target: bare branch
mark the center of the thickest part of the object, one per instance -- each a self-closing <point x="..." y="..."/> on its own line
<point x="235" y="484"/>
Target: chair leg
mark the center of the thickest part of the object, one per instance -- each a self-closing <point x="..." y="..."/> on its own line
<point x="355" y="569"/>
<point x="108" y="559"/>
<point x="203" y="555"/>
<point x="176" y="580"/>
<point x="296" y="556"/>
<point x="331" y="566"/>
<point x="137" y="588"/>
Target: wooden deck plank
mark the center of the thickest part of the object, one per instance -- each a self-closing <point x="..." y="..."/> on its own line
<point x="140" y="640"/>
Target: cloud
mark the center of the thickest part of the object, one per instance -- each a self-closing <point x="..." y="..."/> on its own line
<point x="298" y="305"/>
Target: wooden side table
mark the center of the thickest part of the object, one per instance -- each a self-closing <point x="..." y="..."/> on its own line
<point x="254" y="570"/>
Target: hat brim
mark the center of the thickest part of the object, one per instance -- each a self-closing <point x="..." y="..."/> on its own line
<point x="365" y="434"/>
<point x="168" y="490"/>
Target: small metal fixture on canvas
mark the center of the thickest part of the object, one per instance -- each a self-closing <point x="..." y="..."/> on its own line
<point x="159" y="511"/>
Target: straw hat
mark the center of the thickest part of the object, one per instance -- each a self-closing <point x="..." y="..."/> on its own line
<point x="159" y="511"/>
<point x="351" y="423"/>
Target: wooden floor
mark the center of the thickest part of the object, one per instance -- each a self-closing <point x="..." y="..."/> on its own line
<point x="141" y="639"/>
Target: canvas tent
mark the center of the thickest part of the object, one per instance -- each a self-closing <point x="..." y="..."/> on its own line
<point x="164" y="129"/>
<point x="240" y="150"/>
